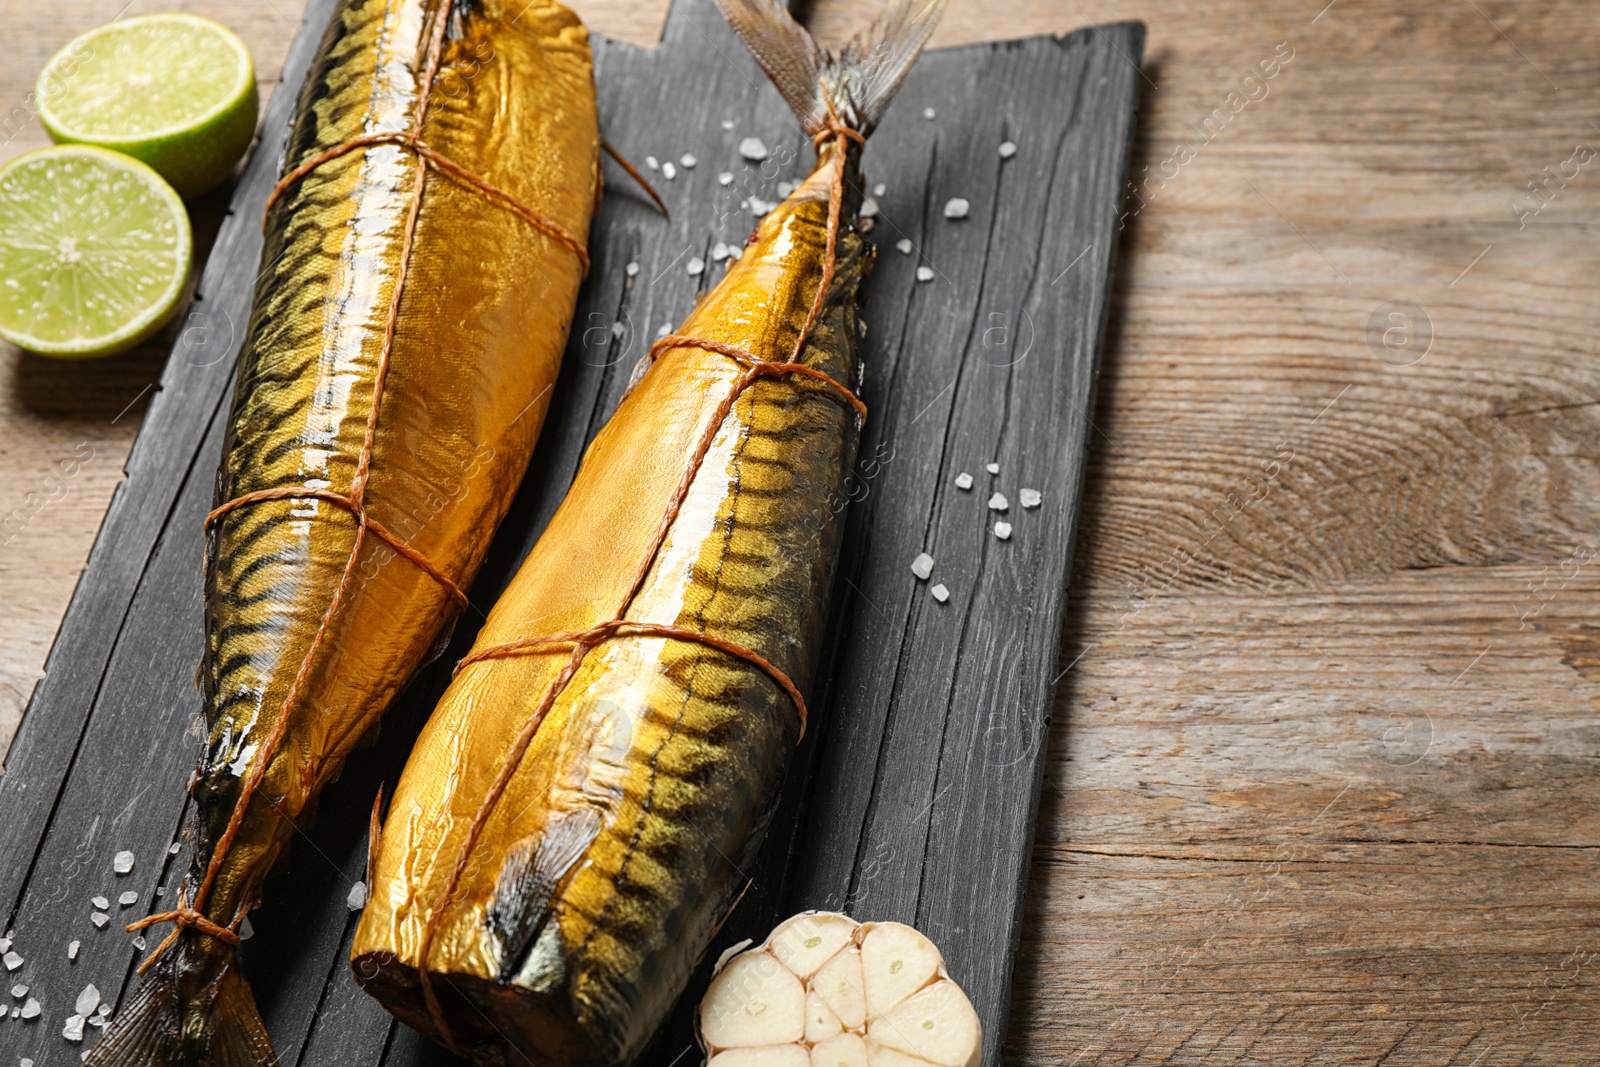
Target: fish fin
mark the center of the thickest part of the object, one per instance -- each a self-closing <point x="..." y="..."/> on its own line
<point x="858" y="82"/>
<point x="374" y="838"/>
<point x="532" y="873"/>
<point x="149" y="1030"/>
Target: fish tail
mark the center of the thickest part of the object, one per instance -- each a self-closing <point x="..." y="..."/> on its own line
<point x="857" y="83"/>
<point x="160" y="1027"/>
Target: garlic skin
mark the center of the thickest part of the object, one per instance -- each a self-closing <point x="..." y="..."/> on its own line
<point x="826" y="991"/>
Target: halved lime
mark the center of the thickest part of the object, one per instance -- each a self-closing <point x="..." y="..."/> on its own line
<point x="176" y="91"/>
<point x="94" y="251"/>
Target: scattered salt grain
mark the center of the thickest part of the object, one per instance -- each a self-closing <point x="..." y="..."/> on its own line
<point x="101" y="902"/>
<point x="668" y="171"/>
<point x="652" y="162"/>
<point x="246" y="931"/>
<point x="725" y="178"/>
<point x="666" y="328"/>
<point x="73" y="1031"/>
<point x="1002" y="530"/>
<point x="956" y="208"/>
<point x="727" y="124"/>
<point x="88" y="1000"/>
<point x="130" y="897"/>
<point x="104" y="1009"/>
<point x="928" y="112"/>
<point x="903" y="246"/>
<point x="138" y="943"/>
<point x="12" y="961"/>
<point x="1007" y="149"/>
<point x="5" y="944"/>
<point x="122" y="863"/>
<point x="99" y="918"/>
<point x="922" y="566"/>
<point x="759" y="207"/>
<point x="869" y="208"/>
<point x="632" y="268"/>
<point x="31" y="1009"/>
<point x="173" y="851"/>
<point x="72" y="949"/>
<point x="696" y="266"/>
<point x="940" y="593"/>
<point x="1031" y="498"/>
<point x="785" y="188"/>
<point x="998" y="502"/>
<point x="963" y="480"/>
<point x="357" y="898"/>
<point x="720" y="252"/>
<point x="992" y="468"/>
<point x="688" y="161"/>
<point x="924" y="274"/>
<point x="617" y="330"/>
<point x="26" y="1063"/>
<point x="879" y="189"/>
<point x="753" y="149"/>
<point x="97" y="1021"/>
<point x="19" y="990"/>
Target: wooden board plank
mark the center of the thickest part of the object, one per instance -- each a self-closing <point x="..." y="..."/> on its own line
<point x="925" y="751"/>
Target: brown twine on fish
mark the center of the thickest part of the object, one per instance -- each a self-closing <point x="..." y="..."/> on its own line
<point x="584" y="640"/>
<point x="428" y="155"/>
<point x="191" y="916"/>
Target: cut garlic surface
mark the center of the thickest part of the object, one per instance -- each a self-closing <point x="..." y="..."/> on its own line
<point x="827" y="991"/>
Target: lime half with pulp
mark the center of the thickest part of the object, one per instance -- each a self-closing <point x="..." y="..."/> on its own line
<point x="175" y="91"/>
<point x="94" y="251"/>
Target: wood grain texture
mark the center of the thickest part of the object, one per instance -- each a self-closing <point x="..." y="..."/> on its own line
<point x="1001" y="344"/>
<point x="1431" y="514"/>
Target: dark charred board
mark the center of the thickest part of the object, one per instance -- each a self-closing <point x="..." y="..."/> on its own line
<point x="913" y="798"/>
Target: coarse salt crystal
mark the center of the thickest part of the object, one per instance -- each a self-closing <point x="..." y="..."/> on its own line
<point x="759" y="207"/>
<point x="73" y="1031"/>
<point x="19" y="991"/>
<point x="632" y="268"/>
<point x="963" y="480"/>
<point x="696" y="266"/>
<point x="72" y="949"/>
<point x="904" y="246"/>
<point x="879" y="189"/>
<point x="1031" y="498"/>
<point x="357" y="898"/>
<point x="992" y="468"/>
<point x="12" y="961"/>
<point x="617" y="330"/>
<point x="924" y="274"/>
<point x="88" y="1000"/>
<point x="104" y="1009"/>
<point x="1002" y="530"/>
<point x="720" y="252"/>
<point x="130" y="897"/>
<point x="122" y="863"/>
<point x="5" y="944"/>
<point x="725" y="178"/>
<point x="668" y="171"/>
<point x="173" y="850"/>
<point x="922" y="566"/>
<point x="666" y="328"/>
<point x="31" y="1009"/>
<point x="688" y="161"/>
<point x="940" y="593"/>
<point x="753" y="149"/>
<point x="785" y="188"/>
<point x="1007" y="149"/>
<point x="928" y="113"/>
<point x="138" y="943"/>
<point x="99" y="918"/>
<point x="956" y="208"/>
<point x="869" y="208"/>
<point x="246" y="931"/>
<point x="998" y="502"/>
<point x="26" y="1063"/>
<point x="727" y="124"/>
<point x="101" y="902"/>
<point x="652" y="162"/>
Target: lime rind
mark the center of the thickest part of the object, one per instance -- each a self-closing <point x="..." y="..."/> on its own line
<point x="88" y="234"/>
<point x="141" y="86"/>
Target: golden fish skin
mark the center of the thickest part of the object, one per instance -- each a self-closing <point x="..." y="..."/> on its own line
<point x="621" y="840"/>
<point x="482" y="320"/>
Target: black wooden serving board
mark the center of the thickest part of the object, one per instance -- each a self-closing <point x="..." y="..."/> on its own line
<point x="913" y="798"/>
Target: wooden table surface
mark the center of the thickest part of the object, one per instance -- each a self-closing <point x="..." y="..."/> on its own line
<point x="1323" y="784"/>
